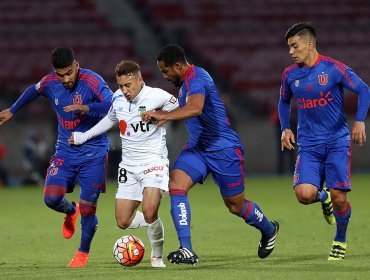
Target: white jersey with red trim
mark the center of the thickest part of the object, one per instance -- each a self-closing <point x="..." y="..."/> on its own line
<point x="142" y="142"/>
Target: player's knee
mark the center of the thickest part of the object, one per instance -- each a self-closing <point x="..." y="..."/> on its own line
<point x="53" y="201"/>
<point x="150" y="216"/>
<point x="123" y="224"/>
<point x="339" y="200"/>
<point x="306" y="197"/>
<point x="87" y="210"/>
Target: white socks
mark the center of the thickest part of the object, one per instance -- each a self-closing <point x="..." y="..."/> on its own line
<point x="138" y="221"/>
<point x="156" y="237"/>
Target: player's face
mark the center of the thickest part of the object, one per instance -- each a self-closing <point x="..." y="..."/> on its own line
<point x="299" y="49"/>
<point x="130" y="85"/>
<point x="170" y="73"/>
<point x="68" y="75"/>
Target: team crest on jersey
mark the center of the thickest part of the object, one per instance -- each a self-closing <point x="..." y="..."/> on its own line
<point x="323" y="79"/>
<point x="56" y="101"/>
<point x="296" y="83"/>
<point x="53" y="171"/>
<point x="77" y="98"/>
<point x="141" y="110"/>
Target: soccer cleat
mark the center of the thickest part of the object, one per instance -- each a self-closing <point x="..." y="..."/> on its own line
<point x="267" y="244"/>
<point x="157" y="262"/>
<point x="338" y="249"/>
<point x="79" y="260"/>
<point x="183" y="255"/>
<point x="69" y="225"/>
<point x="327" y="210"/>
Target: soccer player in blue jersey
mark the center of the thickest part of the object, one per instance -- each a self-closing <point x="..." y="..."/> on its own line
<point x="212" y="147"/>
<point x="80" y="98"/>
<point x="317" y="83"/>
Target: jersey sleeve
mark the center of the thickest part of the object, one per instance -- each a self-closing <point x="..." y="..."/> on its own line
<point x="27" y="96"/>
<point x="170" y="103"/>
<point x="103" y="95"/>
<point x="352" y="82"/>
<point x="284" y="102"/>
<point x="195" y="86"/>
<point x="101" y="127"/>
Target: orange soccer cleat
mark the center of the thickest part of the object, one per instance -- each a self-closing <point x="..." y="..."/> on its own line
<point x="79" y="260"/>
<point x="69" y="225"/>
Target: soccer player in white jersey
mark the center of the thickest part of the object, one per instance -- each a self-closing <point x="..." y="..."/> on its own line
<point x="143" y="173"/>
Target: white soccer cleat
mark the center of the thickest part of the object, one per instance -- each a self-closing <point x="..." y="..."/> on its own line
<point x="157" y="262"/>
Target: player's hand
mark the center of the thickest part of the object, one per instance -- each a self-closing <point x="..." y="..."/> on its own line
<point x="76" y="107"/>
<point x="5" y="115"/>
<point x="358" y="133"/>
<point x="287" y="140"/>
<point x="157" y="115"/>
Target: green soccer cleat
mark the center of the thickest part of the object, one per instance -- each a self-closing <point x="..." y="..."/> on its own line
<point x="327" y="210"/>
<point x="338" y="249"/>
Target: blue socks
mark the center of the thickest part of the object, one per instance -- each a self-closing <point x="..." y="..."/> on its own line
<point x="88" y="227"/>
<point x="253" y="216"/>
<point x="322" y="196"/>
<point x="181" y="216"/>
<point x="342" y="220"/>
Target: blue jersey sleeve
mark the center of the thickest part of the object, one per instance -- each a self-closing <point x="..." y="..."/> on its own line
<point x="284" y="102"/>
<point x="196" y="87"/>
<point x="28" y="95"/>
<point x="352" y="82"/>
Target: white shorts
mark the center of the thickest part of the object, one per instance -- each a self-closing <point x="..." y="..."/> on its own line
<point x="133" y="179"/>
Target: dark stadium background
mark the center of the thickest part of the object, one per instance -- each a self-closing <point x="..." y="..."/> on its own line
<point x="241" y="43"/>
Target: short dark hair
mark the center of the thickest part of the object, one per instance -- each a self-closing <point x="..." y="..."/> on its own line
<point x="127" y="68"/>
<point x="301" y="28"/>
<point x="62" y="57"/>
<point x="171" y="54"/>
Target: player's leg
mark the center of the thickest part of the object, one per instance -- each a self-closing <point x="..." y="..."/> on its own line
<point x="92" y="183"/>
<point x="151" y="202"/>
<point x="60" y="179"/>
<point x="309" y="176"/>
<point x="188" y="170"/>
<point x="127" y="215"/>
<point x="228" y="174"/>
<point x="155" y="185"/>
<point x="128" y="198"/>
<point x="338" y="182"/>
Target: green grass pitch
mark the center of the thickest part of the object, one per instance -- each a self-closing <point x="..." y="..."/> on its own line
<point x="32" y="246"/>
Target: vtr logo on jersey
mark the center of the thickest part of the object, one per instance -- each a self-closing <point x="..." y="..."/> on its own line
<point x="143" y="126"/>
<point x="304" y="103"/>
<point x="323" y="79"/>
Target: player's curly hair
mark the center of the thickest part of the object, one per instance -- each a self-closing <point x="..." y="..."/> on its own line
<point x="171" y="54"/>
<point x="127" y="68"/>
<point x="301" y="29"/>
<point x="62" y="57"/>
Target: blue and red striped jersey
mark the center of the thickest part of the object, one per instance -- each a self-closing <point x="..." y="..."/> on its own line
<point x="91" y="90"/>
<point x="211" y="130"/>
<point x="319" y="96"/>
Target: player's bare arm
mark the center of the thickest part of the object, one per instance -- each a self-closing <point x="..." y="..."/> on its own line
<point x="5" y="116"/>
<point x="358" y="135"/>
<point x="287" y="140"/>
<point x="76" y="107"/>
<point x="192" y="108"/>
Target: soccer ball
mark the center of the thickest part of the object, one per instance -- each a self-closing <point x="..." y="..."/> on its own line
<point x="128" y="250"/>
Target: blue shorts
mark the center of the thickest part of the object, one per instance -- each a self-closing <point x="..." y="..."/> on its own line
<point x="88" y="172"/>
<point x="326" y="163"/>
<point x="226" y="167"/>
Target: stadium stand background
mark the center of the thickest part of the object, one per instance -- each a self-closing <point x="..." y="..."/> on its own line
<point x="239" y="42"/>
